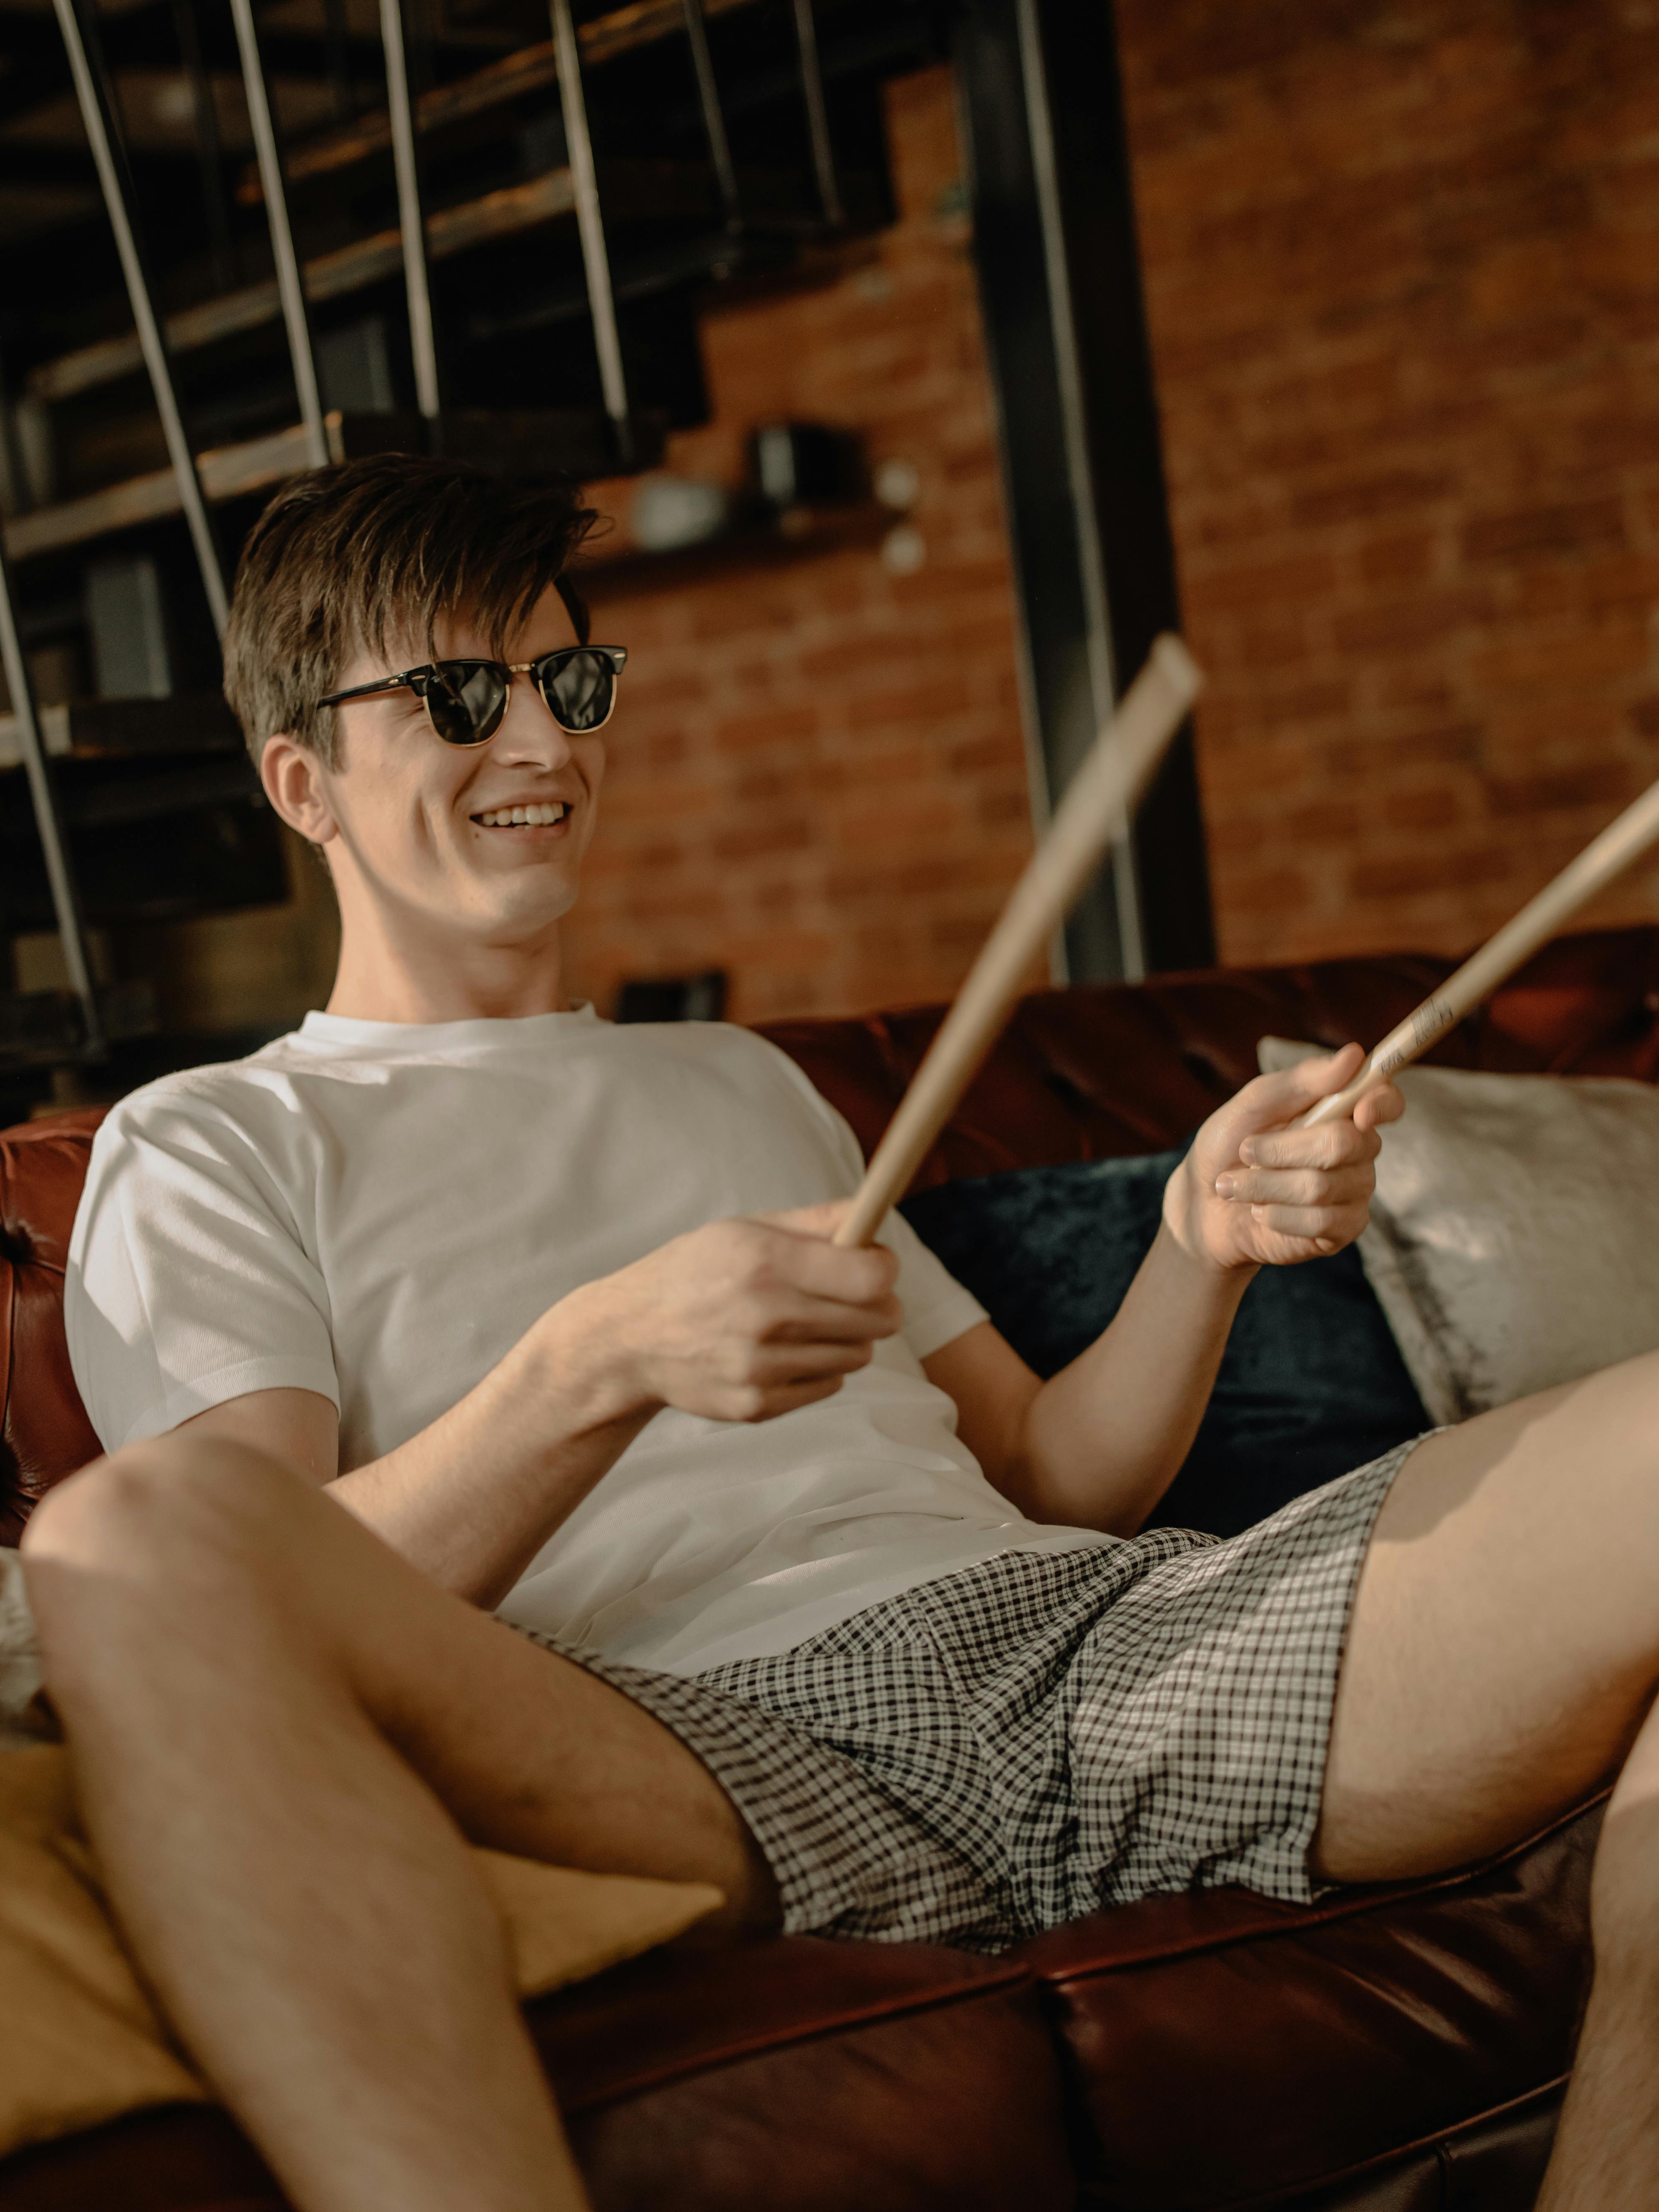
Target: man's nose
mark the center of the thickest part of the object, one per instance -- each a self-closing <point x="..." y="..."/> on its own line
<point x="529" y="735"/>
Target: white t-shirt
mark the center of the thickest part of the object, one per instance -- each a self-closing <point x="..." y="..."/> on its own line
<point x="378" y="1212"/>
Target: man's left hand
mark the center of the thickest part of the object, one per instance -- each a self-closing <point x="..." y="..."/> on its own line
<point x="1253" y="1191"/>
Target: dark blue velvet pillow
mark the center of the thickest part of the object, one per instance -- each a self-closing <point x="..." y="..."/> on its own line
<point x="1311" y="1385"/>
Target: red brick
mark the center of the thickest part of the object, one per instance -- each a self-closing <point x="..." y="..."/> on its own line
<point x="1409" y="620"/>
<point x="1609" y="784"/>
<point x="1570" y="527"/>
<point x="1388" y="492"/>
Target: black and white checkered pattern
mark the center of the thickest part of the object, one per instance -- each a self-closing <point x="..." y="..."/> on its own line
<point x="1039" y="1735"/>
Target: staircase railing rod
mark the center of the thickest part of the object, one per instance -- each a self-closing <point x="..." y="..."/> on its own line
<point x="97" y="114"/>
<point x="590" y="228"/>
<point x="411" y="217"/>
<point x="48" y="818"/>
<point x="713" y="118"/>
<point x="817" y="115"/>
<point x="290" y="286"/>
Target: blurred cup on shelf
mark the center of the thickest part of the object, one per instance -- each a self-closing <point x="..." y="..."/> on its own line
<point x="670" y="511"/>
<point x="897" y="485"/>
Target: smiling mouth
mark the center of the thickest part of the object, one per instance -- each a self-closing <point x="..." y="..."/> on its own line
<point x="522" y="817"/>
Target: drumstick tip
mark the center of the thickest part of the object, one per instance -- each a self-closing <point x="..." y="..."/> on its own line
<point x="1177" y="665"/>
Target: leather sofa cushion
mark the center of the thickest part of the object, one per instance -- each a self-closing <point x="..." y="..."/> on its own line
<point x="1218" y="2034"/>
<point x="803" y="2076"/>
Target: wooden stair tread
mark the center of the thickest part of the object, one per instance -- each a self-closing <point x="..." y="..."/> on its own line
<point x="632" y="191"/>
<point x="530" y="70"/>
<point x="574" y="441"/>
<point x="189" y="723"/>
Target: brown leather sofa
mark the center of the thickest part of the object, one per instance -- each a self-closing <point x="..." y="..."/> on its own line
<point x="1397" y="2050"/>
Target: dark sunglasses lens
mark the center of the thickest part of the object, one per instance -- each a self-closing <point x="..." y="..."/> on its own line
<point x="466" y="699"/>
<point x="579" y="691"/>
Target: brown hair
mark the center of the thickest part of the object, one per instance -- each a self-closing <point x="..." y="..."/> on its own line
<point x="373" y="554"/>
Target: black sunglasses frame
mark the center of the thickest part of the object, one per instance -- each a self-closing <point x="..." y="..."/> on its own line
<point x="540" y="671"/>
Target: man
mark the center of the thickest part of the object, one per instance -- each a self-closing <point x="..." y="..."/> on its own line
<point x="827" y="1602"/>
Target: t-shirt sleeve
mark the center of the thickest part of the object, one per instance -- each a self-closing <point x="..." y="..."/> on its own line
<point x="188" y="1283"/>
<point x="937" y="1307"/>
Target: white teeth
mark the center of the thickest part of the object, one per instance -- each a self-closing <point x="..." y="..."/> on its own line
<point x="538" y="818"/>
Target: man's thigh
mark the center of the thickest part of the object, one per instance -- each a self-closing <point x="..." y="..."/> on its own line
<point x="204" y="1575"/>
<point x="1504" y="1643"/>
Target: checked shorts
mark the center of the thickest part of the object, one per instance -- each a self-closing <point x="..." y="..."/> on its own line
<point x="1041" y="1735"/>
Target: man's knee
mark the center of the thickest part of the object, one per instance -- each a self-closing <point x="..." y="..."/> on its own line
<point x="156" y="1516"/>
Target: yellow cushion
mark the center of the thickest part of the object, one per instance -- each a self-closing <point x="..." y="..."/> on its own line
<point x="80" y="2040"/>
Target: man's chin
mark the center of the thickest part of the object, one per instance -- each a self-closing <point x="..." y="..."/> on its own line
<point x="519" y="909"/>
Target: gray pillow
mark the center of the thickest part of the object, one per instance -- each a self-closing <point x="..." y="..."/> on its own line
<point x="1514" y="1240"/>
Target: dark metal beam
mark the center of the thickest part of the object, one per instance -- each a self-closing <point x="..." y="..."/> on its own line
<point x="1094" y="560"/>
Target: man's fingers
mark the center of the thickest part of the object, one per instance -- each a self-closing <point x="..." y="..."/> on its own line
<point x="1330" y="1226"/>
<point x="1331" y="1146"/>
<point x="1272" y="1099"/>
<point x="772" y="1367"/>
<point x="798" y="1250"/>
<point x="827" y="1321"/>
<point x="1385" y="1103"/>
<point x="821" y="1220"/>
<point x="1350" y="1186"/>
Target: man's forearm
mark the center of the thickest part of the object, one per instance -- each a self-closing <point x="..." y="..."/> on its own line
<point x="472" y="1498"/>
<point x="1102" y="1441"/>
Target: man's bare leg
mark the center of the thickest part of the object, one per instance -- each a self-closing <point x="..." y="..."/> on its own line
<point x="1607" y="2151"/>
<point x="312" y="1921"/>
<point x="1503" y="1659"/>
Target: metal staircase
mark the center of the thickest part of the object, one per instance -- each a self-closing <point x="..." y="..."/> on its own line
<point x="503" y="261"/>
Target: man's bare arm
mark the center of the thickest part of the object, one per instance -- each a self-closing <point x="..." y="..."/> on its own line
<point x="1099" y="1445"/>
<point x="740" y="1321"/>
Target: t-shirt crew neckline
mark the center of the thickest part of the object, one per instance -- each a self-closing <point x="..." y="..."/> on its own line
<point x="332" y="1032"/>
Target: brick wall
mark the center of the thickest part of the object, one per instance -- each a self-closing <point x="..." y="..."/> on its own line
<point x="818" y="777"/>
<point x="1402" y="264"/>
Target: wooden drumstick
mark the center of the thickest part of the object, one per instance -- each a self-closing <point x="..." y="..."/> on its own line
<point x="1100" y="796"/>
<point x="1618" y="844"/>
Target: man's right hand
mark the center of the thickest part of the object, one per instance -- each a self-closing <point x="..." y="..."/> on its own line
<point x="743" y="1320"/>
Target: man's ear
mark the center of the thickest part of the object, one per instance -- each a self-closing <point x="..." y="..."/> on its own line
<point x="292" y="777"/>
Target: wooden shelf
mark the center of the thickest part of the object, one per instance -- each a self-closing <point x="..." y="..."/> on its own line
<point x="798" y="533"/>
<point x="576" y="440"/>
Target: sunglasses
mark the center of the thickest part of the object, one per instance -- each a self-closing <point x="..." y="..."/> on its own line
<point x="465" y="700"/>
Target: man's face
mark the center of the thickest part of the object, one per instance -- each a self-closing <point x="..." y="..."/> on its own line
<point x="420" y="823"/>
